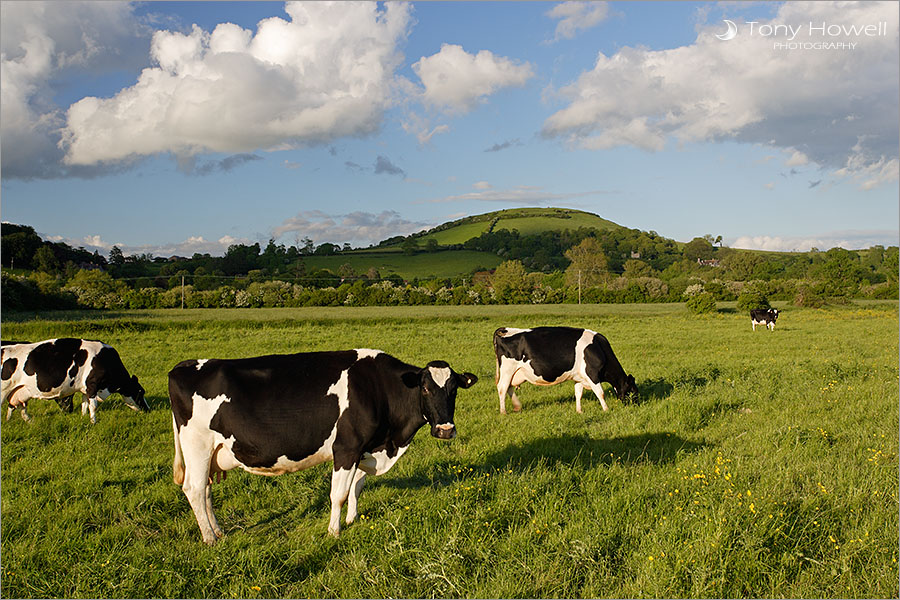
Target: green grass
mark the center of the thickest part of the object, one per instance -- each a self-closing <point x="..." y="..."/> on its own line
<point x="528" y="221"/>
<point x="423" y="265"/>
<point x="758" y="465"/>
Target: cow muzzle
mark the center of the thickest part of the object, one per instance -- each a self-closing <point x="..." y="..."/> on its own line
<point x="446" y="431"/>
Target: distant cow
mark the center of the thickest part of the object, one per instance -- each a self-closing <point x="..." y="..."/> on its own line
<point x="763" y="316"/>
<point x="65" y="402"/>
<point x="282" y="413"/>
<point x="60" y="367"/>
<point x="551" y="355"/>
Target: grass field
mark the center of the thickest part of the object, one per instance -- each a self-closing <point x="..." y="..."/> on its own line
<point x="522" y="220"/>
<point x="758" y="465"/>
<point x="423" y="265"/>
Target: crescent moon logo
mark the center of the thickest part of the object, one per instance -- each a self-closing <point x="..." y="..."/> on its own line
<point x="732" y="31"/>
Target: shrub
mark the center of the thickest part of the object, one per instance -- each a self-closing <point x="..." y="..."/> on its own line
<point x="702" y="303"/>
<point x="809" y="298"/>
<point x="752" y="297"/>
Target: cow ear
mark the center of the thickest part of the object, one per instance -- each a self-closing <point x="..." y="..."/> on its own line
<point x="466" y="380"/>
<point x="412" y="379"/>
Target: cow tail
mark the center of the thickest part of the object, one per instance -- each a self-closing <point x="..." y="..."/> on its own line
<point x="178" y="462"/>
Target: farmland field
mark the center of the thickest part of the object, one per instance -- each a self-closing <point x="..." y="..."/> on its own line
<point x="758" y="464"/>
<point x="423" y="265"/>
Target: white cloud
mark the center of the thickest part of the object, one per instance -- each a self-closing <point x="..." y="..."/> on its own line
<point x="357" y="228"/>
<point x="325" y="73"/>
<point x="869" y="171"/>
<point x="577" y="16"/>
<point x="421" y="127"/>
<point x="797" y="159"/>
<point x="746" y="90"/>
<point x="456" y="81"/>
<point x="482" y="185"/>
<point x="850" y="240"/>
<point x="41" y="42"/>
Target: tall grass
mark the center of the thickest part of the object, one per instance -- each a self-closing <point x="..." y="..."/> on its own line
<point x="758" y="465"/>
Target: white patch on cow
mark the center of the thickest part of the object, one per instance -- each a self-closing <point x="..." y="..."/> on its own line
<point x="362" y="353"/>
<point x="341" y="389"/>
<point x="201" y="362"/>
<point x="440" y="375"/>
<point x="204" y="409"/>
<point x="512" y="331"/>
<point x="378" y="463"/>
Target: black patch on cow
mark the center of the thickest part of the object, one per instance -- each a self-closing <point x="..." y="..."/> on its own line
<point x="51" y="361"/>
<point x="551" y="350"/>
<point x="9" y="367"/>
<point x="595" y="358"/>
<point x="79" y="359"/>
<point x="278" y="405"/>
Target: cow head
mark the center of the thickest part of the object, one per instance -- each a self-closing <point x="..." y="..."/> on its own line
<point x="627" y="391"/>
<point x="437" y="384"/>
<point x="133" y="395"/>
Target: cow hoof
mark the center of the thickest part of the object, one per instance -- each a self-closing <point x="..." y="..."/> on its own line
<point x="517" y="409"/>
<point x="333" y="533"/>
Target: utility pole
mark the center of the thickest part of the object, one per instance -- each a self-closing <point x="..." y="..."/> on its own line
<point x="182" y="292"/>
<point x="579" y="286"/>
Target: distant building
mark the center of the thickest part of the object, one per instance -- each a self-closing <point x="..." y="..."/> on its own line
<point x="635" y="254"/>
<point x="712" y="262"/>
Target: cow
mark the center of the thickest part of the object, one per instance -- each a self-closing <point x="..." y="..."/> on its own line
<point x="551" y="355"/>
<point x="763" y="316"/>
<point x="282" y="413"/>
<point x="65" y="402"/>
<point x="58" y="368"/>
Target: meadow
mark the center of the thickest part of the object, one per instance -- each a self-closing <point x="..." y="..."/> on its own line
<point x="758" y="464"/>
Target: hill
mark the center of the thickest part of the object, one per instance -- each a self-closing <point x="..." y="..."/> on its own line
<point x="528" y="221"/>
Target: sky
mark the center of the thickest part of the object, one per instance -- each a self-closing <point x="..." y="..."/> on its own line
<point x="184" y="127"/>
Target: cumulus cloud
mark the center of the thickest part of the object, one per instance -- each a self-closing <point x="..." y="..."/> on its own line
<point x="422" y="128"/>
<point x="849" y="240"/>
<point x="40" y="43"/>
<point x="358" y="228"/>
<point x="576" y="16"/>
<point x="522" y="195"/>
<point x="325" y="73"/>
<point x="188" y="247"/>
<point x="455" y="81"/>
<point x="746" y="90"/>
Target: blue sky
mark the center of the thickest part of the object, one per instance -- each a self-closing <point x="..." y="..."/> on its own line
<point x="182" y="127"/>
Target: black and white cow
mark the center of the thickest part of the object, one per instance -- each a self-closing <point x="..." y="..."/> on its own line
<point x="551" y="355"/>
<point x="764" y="316"/>
<point x="282" y="413"/>
<point x="58" y="368"/>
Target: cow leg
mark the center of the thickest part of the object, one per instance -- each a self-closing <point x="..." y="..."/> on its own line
<point x="359" y="481"/>
<point x="517" y="406"/>
<point x="341" y="481"/>
<point x="212" y="516"/>
<point x="597" y="388"/>
<point x="197" y="452"/>
<point x="92" y="403"/>
<point x="502" y="387"/>
<point x="579" y="389"/>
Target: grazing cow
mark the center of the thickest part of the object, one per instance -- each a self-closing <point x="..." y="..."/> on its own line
<point x="551" y="355"/>
<point x="764" y="316"/>
<point x="282" y="413"/>
<point x="65" y="402"/>
<point x="60" y="367"/>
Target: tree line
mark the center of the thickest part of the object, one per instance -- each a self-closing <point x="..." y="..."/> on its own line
<point x="582" y="265"/>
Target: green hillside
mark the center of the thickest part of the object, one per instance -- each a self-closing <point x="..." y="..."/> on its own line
<point x="423" y="265"/>
<point x="527" y="221"/>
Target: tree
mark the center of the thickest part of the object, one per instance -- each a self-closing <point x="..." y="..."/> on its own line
<point x="588" y="264"/>
<point x="637" y="268"/>
<point x="510" y="282"/>
<point x="410" y="246"/>
<point x="45" y="260"/>
<point x="116" y="258"/>
<point x="431" y="245"/>
<point x="698" y="248"/>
